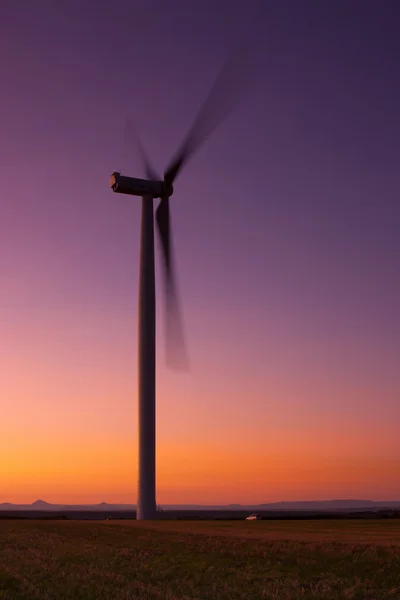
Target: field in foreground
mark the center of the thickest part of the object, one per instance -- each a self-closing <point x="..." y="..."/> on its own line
<point x="121" y="560"/>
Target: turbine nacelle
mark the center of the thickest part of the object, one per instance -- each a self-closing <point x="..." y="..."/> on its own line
<point x="140" y="187"/>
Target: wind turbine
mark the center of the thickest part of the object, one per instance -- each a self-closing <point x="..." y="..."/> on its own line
<point x="216" y="107"/>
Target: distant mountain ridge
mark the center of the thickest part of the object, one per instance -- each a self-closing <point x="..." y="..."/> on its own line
<point x="329" y="505"/>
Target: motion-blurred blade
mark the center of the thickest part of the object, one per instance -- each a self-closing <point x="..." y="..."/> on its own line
<point x="219" y="103"/>
<point x="176" y="355"/>
<point x="132" y="138"/>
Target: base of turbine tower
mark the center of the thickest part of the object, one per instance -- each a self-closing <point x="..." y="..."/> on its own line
<point x="147" y="514"/>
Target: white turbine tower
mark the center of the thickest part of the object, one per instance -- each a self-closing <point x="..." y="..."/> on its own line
<point x="214" y="110"/>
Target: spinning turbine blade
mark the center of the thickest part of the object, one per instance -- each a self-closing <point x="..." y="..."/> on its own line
<point x="175" y="344"/>
<point x="219" y="103"/>
<point x="131" y="134"/>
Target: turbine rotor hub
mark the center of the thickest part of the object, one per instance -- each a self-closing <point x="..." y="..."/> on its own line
<point x="168" y="189"/>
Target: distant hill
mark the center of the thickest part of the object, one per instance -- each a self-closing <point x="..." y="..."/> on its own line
<point x="306" y="505"/>
<point x="40" y="504"/>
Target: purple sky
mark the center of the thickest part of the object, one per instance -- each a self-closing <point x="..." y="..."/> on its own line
<point x="286" y="222"/>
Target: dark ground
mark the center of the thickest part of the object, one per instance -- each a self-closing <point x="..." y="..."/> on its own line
<point x="203" y="560"/>
<point x="200" y="515"/>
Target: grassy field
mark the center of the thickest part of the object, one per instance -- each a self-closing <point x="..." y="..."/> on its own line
<point x="121" y="560"/>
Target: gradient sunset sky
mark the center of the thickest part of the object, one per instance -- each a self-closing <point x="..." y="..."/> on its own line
<point x="286" y="235"/>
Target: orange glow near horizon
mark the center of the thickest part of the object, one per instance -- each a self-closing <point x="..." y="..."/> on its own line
<point x="298" y="438"/>
<point x="304" y="465"/>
